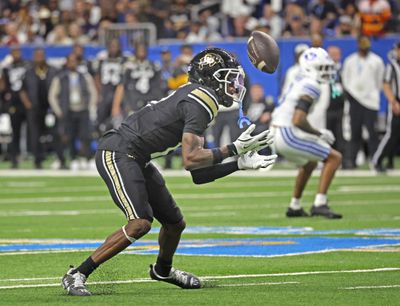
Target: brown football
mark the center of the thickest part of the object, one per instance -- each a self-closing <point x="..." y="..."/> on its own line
<point x="263" y="51"/>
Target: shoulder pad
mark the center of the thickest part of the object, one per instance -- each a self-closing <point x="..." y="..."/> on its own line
<point x="206" y="98"/>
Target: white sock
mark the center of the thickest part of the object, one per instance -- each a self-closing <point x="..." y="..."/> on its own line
<point x="295" y="204"/>
<point x="320" y="199"/>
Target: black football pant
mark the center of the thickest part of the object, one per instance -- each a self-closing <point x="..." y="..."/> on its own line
<point x="17" y="118"/>
<point x="387" y="146"/>
<point x="361" y="116"/>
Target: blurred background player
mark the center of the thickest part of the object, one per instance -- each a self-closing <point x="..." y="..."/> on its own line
<point x="362" y="78"/>
<point x="12" y="81"/>
<point x="141" y="83"/>
<point x="391" y="87"/>
<point x="300" y="142"/>
<point x="108" y="71"/>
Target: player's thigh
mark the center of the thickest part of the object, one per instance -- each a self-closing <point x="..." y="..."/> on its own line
<point x="300" y="147"/>
<point x="161" y="201"/>
<point x="126" y="183"/>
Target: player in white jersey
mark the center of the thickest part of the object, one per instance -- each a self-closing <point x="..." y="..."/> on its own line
<point x="301" y="143"/>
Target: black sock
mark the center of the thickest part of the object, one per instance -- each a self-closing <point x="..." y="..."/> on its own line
<point x="163" y="267"/>
<point x="87" y="267"/>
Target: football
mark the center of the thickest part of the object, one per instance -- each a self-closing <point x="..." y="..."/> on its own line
<point x="263" y="51"/>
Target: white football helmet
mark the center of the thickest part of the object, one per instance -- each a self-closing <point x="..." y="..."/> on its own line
<point x="317" y="64"/>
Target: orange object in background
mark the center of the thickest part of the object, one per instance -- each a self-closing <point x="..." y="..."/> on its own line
<point x="374" y="14"/>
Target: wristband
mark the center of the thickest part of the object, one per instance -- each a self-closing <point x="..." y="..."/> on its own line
<point x="217" y="155"/>
<point x="232" y="150"/>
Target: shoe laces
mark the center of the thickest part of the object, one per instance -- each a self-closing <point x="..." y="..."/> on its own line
<point x="179" y="275"/>
<point x="79" y="280"/>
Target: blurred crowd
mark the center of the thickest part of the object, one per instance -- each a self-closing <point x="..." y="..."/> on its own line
<point x="64" y="22"/>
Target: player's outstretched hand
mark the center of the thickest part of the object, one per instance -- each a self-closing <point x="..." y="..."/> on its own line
<point x="327" y="136"/>
<point x="253" y="160"/>
<point x="246" y="142"/>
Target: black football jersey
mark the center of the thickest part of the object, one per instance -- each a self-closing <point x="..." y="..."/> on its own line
<point x="14" y="75"/>
<point x="142" y="83"/>
<point x="157" y="128"/>
<point x="110" y="73"/>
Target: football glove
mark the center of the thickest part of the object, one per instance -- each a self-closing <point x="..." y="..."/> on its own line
<point x="246" y="142"/>
<point x="253" y="160"/>
<point x="327" y="136"/>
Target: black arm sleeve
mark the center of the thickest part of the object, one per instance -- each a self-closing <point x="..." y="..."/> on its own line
<point x="304" y="105"/>
<point x="210" y="174"/>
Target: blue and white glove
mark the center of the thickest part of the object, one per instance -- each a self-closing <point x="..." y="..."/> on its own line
<point x="253" y="160"/>
<point x="246" y="142"/>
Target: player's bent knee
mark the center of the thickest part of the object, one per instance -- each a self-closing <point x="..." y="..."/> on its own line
<point x="137" y="228"/>
<point x="336" y="157"/>
<point x="176" y="228"/>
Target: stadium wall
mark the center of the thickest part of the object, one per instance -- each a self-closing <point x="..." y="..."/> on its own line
<point x="271" y="83"/>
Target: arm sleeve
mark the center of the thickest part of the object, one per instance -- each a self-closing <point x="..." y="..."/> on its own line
<point x="195" y="117"/>
<point x="210" y="174"/>
<point x="388" y="73"/>
<point x="53" y="96"/>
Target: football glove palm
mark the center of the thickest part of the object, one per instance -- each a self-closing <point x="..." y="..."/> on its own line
<point x="246" y="142"/>
<point x="253" y="160"/>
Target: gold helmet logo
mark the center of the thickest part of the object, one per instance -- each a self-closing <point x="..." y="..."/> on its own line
<point x="209" y="60"/>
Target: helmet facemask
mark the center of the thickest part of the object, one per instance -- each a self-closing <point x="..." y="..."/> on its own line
<point x="232" y="80"/>
<point x="317" y="64"/>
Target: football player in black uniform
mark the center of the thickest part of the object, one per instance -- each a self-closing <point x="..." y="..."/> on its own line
<point x="12" y="79"/>
<point x="108" y="71"/>
<point x="124" y="155"/>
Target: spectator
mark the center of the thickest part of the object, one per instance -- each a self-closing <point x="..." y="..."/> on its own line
<point x="273" y="20"/>
<point x="362" y="79"/>
<point x="35" y="96"/>
<point x="323" y="17"/>
<point x="72" y="96"/>
<point x="13" y="35"/>
<point x="391" y="87"/>
<point x="12" y="78"/>
<point x="374" y="14"/>
<point x="76" y="35"/>
<point x="197" y="33"/>
<point x="59" y="36"/>
<point x="295" y="22"/>
<point x="211" y="24"/>
<point x="345" y="26"/>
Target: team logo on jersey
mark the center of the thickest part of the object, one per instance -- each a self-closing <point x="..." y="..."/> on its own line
<point x="209" y="60"/>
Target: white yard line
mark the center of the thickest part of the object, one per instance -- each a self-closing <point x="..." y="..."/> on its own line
<point x="371" y="287"/>
<point x="182" y="173"/>
<point x="216" y="277"/>
<point x="257" y="284"/>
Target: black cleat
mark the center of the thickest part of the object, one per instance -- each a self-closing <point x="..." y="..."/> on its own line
<point x="74" y="283"/>
<point x="179" y="278"/>
<point x="296" y="213"/>
<point x="324" y="211"/>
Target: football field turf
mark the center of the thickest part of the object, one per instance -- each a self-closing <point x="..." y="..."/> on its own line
<point x="238" y="241"/>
